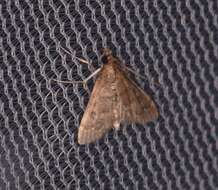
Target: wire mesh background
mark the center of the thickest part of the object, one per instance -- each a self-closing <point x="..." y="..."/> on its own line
<point x="174" y="42"/>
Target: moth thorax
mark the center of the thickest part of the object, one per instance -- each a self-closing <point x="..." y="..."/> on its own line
<point x="109" y="73"/>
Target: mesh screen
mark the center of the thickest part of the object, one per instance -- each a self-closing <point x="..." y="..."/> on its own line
<point x="174" y="42"/>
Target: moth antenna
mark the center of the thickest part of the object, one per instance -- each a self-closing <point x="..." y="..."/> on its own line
<point x="93" y="74"/>
<point x="84" y="82"/>
<point x="67" y="82"/>
<point x="79" y="59"/>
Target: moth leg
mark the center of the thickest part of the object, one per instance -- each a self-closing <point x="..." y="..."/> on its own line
<point x="67" y="82"/>
<point x="84" y="82"/>
<point x="93" y="74"/>
<point x="79" y="59"/>
<point x="89" y="77"/>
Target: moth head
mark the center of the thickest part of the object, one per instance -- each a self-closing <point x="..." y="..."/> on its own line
<point x="106" y="52"/>
<point x="106" y="55"/>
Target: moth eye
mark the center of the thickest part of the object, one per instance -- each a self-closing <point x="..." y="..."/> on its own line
<point x="104" y="59"/>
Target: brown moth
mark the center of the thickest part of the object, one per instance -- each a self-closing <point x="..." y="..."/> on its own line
<point x="115" y="99"/>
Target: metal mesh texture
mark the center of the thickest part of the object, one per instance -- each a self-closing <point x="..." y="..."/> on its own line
<point x="174" y="42"/>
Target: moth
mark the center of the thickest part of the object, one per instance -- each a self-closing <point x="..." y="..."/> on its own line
<point x="115" y="99"/>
